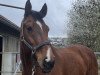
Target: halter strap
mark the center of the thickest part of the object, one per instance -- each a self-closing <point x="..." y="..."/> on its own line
<point x="47" y="42"/>
<point x="35" y="48"/>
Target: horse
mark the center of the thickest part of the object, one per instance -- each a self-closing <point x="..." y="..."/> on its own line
<point x="38" y="54"/>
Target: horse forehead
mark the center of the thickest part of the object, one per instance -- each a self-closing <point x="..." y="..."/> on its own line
<point x="28" y="19"/>
<point x="40" y="24"/>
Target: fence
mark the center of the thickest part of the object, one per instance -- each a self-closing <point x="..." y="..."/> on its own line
<point x="97" y="53"/>
<point x="14" y="60"/>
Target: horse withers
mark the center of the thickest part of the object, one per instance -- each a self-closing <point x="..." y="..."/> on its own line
<point x="37" y="51"/>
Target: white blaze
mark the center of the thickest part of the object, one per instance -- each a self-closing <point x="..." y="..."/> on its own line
<point x="39" y="23"/>
<point x="48" y="55"/>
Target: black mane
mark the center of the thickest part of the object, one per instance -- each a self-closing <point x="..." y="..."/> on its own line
<point x="36" y="15"/>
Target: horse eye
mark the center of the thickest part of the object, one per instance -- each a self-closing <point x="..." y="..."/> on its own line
<point x="29" y="29"/>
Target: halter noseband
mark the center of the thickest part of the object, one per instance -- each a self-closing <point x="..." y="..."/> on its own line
<point x="35" y="48"/>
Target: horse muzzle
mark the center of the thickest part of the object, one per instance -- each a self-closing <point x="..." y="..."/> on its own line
<point x="48" y="66"/>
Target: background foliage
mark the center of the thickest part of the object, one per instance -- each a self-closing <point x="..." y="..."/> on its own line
<point x="84" y="24"/>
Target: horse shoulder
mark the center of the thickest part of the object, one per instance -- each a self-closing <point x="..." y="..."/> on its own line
<point x="74" y="60"/>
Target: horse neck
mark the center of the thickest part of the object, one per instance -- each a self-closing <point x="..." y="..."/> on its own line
<point x="54" y="50"/>
<point x="26" y="62"/>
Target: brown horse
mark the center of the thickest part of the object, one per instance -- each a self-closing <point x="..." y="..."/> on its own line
<point x="37" y="51"/>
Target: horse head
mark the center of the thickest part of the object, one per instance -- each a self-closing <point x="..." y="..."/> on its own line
<point x="34" y="33"/>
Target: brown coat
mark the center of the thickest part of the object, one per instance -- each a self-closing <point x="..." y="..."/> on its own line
<point x="73" y="60"/>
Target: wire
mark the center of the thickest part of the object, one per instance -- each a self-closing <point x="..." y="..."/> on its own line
<point x="12" y="6"/>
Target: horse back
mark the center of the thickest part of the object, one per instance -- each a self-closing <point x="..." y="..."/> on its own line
<point x="77" y="60"/>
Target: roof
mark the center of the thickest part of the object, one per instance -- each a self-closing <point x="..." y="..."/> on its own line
<point x="6" y="26"/>
<point x="9" y="23"/>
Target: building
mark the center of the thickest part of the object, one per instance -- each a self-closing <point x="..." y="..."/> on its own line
<point x="59" y="41"/>
<point x="9" y="43"/>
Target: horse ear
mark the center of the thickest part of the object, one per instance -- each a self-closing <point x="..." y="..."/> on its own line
<point x="28" y="7"/>
<point x="43" y="11"/>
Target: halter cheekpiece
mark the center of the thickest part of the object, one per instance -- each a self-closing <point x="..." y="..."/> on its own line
<point x="35" y="48"/>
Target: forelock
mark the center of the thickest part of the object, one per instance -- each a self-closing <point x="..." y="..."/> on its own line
<point x="37" y="16"/>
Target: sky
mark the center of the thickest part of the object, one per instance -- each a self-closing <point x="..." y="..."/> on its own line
<point x="56" y="17"/>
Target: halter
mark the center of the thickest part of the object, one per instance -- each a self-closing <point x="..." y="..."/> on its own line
<point x="35" y="48"/>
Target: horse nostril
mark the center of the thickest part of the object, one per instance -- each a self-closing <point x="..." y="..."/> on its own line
<point x="45" y="58"/>
<point x="48" y="65"/>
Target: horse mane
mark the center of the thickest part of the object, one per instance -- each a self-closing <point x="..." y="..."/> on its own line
<point x="36" y="15"/>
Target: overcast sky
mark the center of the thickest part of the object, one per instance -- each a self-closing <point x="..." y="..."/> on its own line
<point x="56" y="17"/>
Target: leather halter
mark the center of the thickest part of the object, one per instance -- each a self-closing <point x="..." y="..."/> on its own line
<point x="35" y="48"/>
